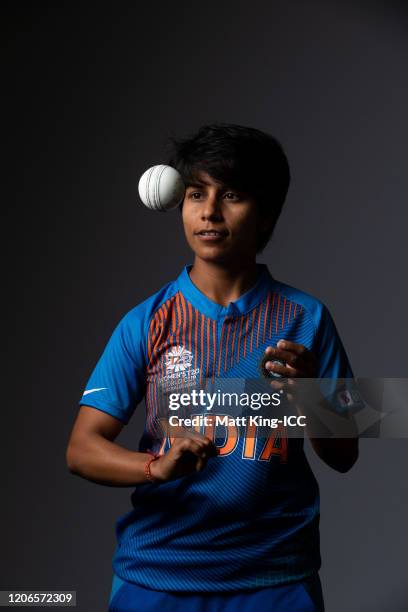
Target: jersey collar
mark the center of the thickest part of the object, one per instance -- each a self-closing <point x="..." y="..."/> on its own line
<point x="242" y="305"/>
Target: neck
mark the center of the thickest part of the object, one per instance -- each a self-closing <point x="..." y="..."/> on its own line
<point x="223" y="284"/>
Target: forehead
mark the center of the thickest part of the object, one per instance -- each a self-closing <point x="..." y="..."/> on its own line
<point x="201" y="179"/>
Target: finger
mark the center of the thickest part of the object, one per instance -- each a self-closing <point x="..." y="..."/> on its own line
<point x="191" y="434"/>
<point x="291" y="346"/>
<point x="293" y="386"/>
<point x="277" y="353"/>
<point x="308" y="357"/>
<point x="292" y="358"/>
<point x="197" y="435"/>
<point x="278" y="386"/>
<point x="188" y="445"/>
<point x="284" y="371"/>
<point x="200" y="465"/>
<point x="207" y="445"/>
<point x="200" y="437"/>
<point x="207" y="448"/>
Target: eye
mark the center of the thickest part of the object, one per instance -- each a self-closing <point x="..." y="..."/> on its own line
<point x="193" y="194"/>
<point x="231" y="195"/>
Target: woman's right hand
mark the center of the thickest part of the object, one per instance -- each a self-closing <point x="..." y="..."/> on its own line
<point x="187" y="454"/>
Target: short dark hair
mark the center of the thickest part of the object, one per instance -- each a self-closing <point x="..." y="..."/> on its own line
<point x="243" y="158"/>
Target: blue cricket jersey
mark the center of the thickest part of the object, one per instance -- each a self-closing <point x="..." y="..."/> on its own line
<point x="250" y="519"/>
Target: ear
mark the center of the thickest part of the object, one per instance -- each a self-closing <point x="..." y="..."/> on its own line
<point x="266" y="223"/>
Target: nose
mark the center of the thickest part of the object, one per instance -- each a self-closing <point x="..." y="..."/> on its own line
<point x="211" y="208"/>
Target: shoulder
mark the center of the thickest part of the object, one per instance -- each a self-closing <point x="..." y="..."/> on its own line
<point x="312" y="306"/>
<point x="327" y="345"/>
<point x="141" y="315"/>
<point x="131" y="332"/>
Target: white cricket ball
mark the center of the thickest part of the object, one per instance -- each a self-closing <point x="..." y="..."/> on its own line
<point x="161" y="188"/>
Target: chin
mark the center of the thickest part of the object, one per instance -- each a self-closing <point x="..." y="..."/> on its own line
<point x="217" y="256"/>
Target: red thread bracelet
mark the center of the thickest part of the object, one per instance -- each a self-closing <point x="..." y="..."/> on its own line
<point x="149" y="475"/>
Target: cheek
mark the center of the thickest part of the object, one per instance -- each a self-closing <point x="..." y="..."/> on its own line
<point x="247" y="225"/>
<point x="187" y="217"/>
<point x="184" y="214"/>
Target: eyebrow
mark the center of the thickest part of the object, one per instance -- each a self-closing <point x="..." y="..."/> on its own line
<point x="198" y="184"/>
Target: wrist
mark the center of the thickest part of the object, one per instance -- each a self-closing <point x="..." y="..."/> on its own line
<point x="150" y="469"/>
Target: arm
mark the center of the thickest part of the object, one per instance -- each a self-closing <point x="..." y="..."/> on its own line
<point x="114" y="389"/>
<point x="92" y="453"/>
<point x="338" y="453"/>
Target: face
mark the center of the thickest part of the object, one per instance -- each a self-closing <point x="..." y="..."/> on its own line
<point x="220" y="223"/>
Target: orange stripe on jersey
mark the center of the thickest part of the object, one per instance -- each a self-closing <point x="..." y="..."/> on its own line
<point x="226" y="346"/>
<point x="220" y="353"/>
<point x="183" y="328"/>
<point x="290" y="310"/>
<point x="190" y="326"/>
<point x="171" y="326"/>
<point x="283" y="312"/>
<point x="277" y="315"/>
<point x="149" y="347"/>
<point x="195" y="337"/>
<point x="160" y="314"/>
<point x="294" y="312"/>
<point x="266" y="315"/>
<point x="272" y="310"/>
<point x="239" y="337"/>
<point x="169" y="316"/>
<point x="184" y="308"/>
<point x="152" y="332"/>
<point x="153" y="329"/>
<point x="253" y="327"/>
<point x="161" y="371"/>
<point x="246" y="334"/>
<point x="214" y="349"/>
<point x="233" y="340"/>
<point x="183" y="305"/>
<point x="172" y="323"/>
<point x="178" y="318"/>
<point x="172" y="316"/>
<point x="207" y="347"/>
<point x="259" y="325"/>
<point x="176" y="315"/>
<point x="158" y="327"/>
<point x="165" y="319"/>
<point x="201" y="346"/>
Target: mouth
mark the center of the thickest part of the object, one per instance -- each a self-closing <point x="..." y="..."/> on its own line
<point x="211" y="232"/>
<point x="211" y="235"/>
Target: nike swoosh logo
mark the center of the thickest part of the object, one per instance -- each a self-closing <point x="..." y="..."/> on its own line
<point x="93" y="390"/>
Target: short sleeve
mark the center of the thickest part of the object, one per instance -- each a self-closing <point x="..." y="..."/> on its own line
<point x="118" y="382"/>
<point x="331" y="356"/>
<point x="333" y="365"/>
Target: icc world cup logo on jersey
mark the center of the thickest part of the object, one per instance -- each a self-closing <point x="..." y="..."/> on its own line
<point x="178" y="359"/>
<point x="178" y="363"/>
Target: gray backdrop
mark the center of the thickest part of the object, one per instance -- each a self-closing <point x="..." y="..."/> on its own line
<point x="92" y="98"/>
